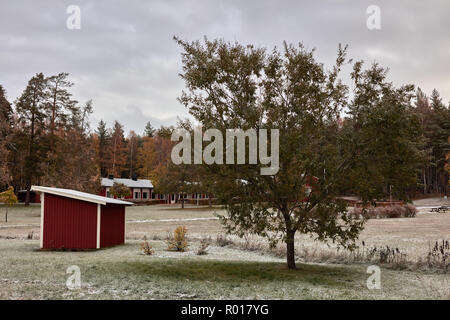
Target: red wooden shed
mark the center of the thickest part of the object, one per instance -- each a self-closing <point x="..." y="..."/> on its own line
<point x="72" y="219"/>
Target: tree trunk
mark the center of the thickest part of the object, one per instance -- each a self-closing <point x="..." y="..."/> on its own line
<point x="182" y="201"/>
<point x="27" y="196"/>
<point x="424" y="182"/>
<point x="6" y="215"/>
<point x="290" y="250"/>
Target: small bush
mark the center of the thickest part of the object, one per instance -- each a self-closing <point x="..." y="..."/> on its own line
<point x="178" y="241"/>
<point x="394" y="211"/>
<point x="439" y="256"/>
<point x="204" y="244"/>
<point x="411" y="211"/>
<point x="222" y="240"/>
<point x="146" y="248"/>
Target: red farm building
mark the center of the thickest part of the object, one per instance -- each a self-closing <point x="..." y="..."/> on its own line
<point x="35" y="197"/>
<point x="140" y="190"/>
<point x="76" y="220"/>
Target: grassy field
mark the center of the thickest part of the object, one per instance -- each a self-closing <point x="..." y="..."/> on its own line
<point x="412" y="235"/>
<point x="226" y="272"/>
<point x="123" y="273"/>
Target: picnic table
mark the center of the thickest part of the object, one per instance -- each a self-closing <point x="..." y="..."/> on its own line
<point x="440" y="209"/>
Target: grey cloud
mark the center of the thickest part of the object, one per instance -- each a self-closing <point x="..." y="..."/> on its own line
<point x="124" y="57"/>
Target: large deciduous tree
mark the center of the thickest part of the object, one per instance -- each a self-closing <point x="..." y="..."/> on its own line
<point x="9" y="199"/>
<point x="232" y="86"/>
<point x="120" y="190"/>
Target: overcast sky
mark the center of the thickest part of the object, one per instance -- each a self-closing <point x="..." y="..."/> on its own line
<point x="124" y="58"/>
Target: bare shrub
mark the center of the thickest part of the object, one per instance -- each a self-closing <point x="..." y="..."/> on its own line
<point x="394" y="211"/>
<point x="178" y="242"/>
<point x="157" y="237"/>
<point x="204" y="244"/>
<point x="146" y="248"/>
<point x="439" y="256"/>
<point x="411" y="211"/>
<point x="222" y="240"/>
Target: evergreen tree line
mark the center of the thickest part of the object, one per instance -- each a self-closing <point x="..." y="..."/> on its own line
<point x="46" y="139"/>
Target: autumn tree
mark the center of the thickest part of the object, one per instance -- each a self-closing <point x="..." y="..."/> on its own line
<point x="170" y="178"/>
<point x="154" y="153"/>
<point x="9" y="199"/>
<point x="120" y="190"/>
<point x="175" y="179"/>
<point x="235" y="86"/>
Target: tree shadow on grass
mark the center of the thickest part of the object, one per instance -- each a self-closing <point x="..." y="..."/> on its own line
<point x="254" y="272"/>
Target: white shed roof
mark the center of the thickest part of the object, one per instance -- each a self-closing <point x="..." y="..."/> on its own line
<point x="130" y="183"/>
<point x="79" y="195"/>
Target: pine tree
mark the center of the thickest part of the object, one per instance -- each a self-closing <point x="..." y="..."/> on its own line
<point x="438" y="138"/>
<point x="103" y="147"/>
<point x="118" y="150"/>
<point x="30" y="107"/>
<point x="59" y="105"/>
<point x="5" y="129"/>
<point x="149" y="130"/>
<point x="133" y="142"/>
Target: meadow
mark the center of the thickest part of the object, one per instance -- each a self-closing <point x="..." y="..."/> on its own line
<point x="232" y="269"/>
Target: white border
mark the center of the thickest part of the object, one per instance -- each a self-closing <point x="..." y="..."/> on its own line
<point x="99" y="210"/>
<point x="79" y="195"/>
<point x="42" y="222"/>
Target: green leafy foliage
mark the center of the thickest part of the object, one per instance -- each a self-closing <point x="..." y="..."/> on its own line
<point x="236" y="86"/>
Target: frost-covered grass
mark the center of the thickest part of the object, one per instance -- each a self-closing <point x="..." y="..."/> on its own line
<point x="20" y="214"/>
<point x="123" y="273"/>
<point x="414" y="236"/>
<point x="225" y="272"/>
<point x="163" y="212"/>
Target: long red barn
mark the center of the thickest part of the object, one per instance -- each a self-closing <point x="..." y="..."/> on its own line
<point x="72" y="219"/>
